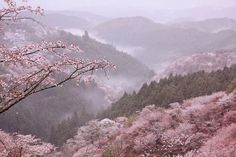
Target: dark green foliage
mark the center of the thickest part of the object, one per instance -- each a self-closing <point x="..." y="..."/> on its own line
<point x="171" y="89"/>
<point x="68" y="127"/>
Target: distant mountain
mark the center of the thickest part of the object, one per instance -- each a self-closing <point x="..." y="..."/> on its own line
<point x="92" y="18"/>
<point x="210" y="25"/>
<point x="70" y="19"/>
<point x="160" y="44"/>
<point x="199" y="13"/>
<point x="61" y="21"/>
<point x="126" y="30"/>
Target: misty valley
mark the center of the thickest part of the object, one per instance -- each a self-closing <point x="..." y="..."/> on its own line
<point x="80" y="79"/>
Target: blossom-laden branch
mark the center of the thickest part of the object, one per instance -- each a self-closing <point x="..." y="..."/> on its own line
<point x="37" y="67"/>
<point x="12" y="11"/>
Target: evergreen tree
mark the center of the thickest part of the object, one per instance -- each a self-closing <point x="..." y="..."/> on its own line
<point x="173" y="89"/>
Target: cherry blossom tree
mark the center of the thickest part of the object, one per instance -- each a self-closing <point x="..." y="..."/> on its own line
<point x="223" y="144"/>
<point x="23" y="145"/>
<point x="37" y="67"/>
<point x="93" y="139"/>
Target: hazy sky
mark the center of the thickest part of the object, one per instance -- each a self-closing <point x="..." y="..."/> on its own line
<point x="122" y="4"/>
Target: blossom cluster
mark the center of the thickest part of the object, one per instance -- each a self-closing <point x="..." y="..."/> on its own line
<point x="23" y="145"/>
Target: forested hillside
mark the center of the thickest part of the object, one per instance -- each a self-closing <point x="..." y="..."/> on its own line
<point x="61" y="104"/>
<point x="170" y="90"/>
<point x="210" y="61"/>
<point x="199" y="127"/>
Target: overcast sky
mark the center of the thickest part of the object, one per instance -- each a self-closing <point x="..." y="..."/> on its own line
<point x="121" y="4"/>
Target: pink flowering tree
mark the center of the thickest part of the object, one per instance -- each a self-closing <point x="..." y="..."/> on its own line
<point x="23" y="145"/>
<point x="37" y="67"/>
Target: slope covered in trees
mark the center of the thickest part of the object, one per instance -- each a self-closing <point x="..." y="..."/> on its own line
<point x="199" y="127"/>
<point x="68" y="127"/>
<point x="54" y="106"/>
<point x="170" y="90"/>
<point x="210" y="61"/>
